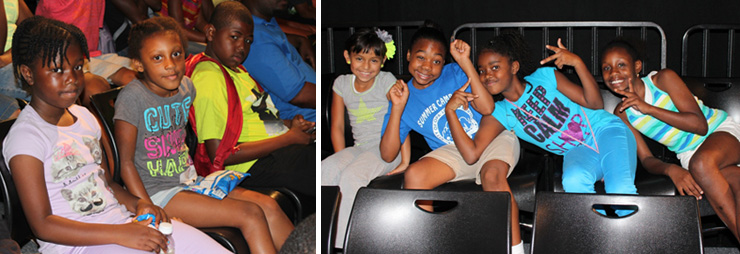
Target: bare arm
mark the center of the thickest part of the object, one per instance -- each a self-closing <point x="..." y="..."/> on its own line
<point x="304" y="47"/>
<point x="390" y="142"/>
<point x="587" y="95"/>
<point x="470" y="149"/>
<point x="306" y="10"/>
<point x="681" y="178"/>
<point x="405" y="157"/>
<point x="483" y="101"/>
<point x="28" y="175"/>
<point x="134" y="10"/>
<point x="23" y="13"/>
<point x="306" y="98"/>
<point x="125" y="135"/>
<point x="688" y="118"/>
<point x="257" y="149"/>
<point x="337" y="123"/>
<point x="175" y="11"/>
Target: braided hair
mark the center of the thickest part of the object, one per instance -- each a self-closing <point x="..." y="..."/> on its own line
<point x="149" y="27"/>
<point x="43" y="39"/>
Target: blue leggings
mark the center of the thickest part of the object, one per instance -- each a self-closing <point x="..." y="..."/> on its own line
<point x="616" y="162"/>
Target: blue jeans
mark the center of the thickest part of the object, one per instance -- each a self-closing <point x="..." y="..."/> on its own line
<point x="11" y="87"/>
<point x="615" y="162"/>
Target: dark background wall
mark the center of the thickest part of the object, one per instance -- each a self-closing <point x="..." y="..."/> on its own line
<point x="673" y="16"/>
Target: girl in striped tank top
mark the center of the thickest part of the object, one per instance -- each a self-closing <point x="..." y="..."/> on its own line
<point x="661" y="107"/>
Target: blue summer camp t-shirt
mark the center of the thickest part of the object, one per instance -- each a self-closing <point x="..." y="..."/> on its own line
<point x="425" y="109"/>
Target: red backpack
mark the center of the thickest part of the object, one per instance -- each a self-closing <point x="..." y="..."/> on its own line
<point x="234" y="121"/>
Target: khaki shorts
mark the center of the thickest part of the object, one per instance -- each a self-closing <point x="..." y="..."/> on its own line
<point x="729" y="126"/>
<point x="505" y="147"/>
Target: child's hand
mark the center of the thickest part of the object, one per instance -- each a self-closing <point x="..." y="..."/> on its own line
<point x="684" y="182"/>
<point x="144" y="207"/>
<point x="298" y="127"/>
<point x="460" y="98"/>
<point x="631" y="99"/>
<point x="137" y="235"/>
<point x="562" y="56"/>
<point x="399" y="169"/>
<point x="399" y="93"/>
<point x="459" y="50"/>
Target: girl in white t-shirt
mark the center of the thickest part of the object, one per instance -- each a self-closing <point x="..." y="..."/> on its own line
<point x="54" y="154"/>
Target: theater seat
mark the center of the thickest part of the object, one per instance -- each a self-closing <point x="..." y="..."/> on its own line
<point x="523" y="180"/>
<point x="390" y="221"/>
<point x="568" y="223"/>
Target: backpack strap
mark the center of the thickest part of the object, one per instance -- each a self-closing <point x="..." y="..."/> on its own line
<point x="234" y="121"/>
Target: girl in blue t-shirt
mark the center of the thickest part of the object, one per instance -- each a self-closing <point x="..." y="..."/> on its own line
<point x="546" y="109"/>
<point x="420" y="106"/>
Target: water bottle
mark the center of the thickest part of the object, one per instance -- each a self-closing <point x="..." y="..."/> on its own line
<point x="166" y="229"/>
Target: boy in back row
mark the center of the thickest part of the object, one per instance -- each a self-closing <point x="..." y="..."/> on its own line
<point x="237" y="120"/>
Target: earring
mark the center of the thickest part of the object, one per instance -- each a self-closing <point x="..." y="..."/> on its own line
<point x="381" y="65"/>
<point x="349" y="62"/>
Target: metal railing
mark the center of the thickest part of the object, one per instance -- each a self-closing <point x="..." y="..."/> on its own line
<point x="596" y="30"/>
<point x="394" y="28"/>
<point x="709" y="31"/>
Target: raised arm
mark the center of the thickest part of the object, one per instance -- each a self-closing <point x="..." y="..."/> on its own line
<point x="28" y="175"/>
<point x="483" y="101"/>
<point x="688" y="118"/>
<point x="588" y="94"/>
<point x="390" y="142"/>
<point x="681" y="178"/>
<point x="337" y="123"/>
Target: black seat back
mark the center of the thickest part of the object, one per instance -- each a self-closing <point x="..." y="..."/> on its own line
<point x="721" y="93"/>
<point x="13" y="214"/>
<point x="567" y="223"/>
<point x="104" y="106"/>
<point x="329" y="207"/>
<point x="389" y="221"/>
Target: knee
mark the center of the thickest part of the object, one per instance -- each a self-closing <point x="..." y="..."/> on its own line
<point x="699" y="166"/>
<point x="413" y="176"/>
<point x="494" y="178"/>
<point x="250" y="214"/>
<point x="270" y="206"/>
<point x="577" y="183"/>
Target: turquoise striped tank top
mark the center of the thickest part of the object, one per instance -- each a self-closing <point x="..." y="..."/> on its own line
<point x="676" y="140"/>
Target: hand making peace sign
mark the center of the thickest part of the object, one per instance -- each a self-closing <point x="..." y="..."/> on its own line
<point x="631" y="99"/>
<point x="460" y="98"/>
<point x="562" y="56"/>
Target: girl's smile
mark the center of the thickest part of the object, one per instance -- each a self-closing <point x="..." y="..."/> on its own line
<point x="617" y="68"/>
<point x="365" y="66"/>
<point x="162" y="63"/>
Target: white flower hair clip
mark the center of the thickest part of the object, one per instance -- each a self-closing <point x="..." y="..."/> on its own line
<point x="388" y="40"/>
